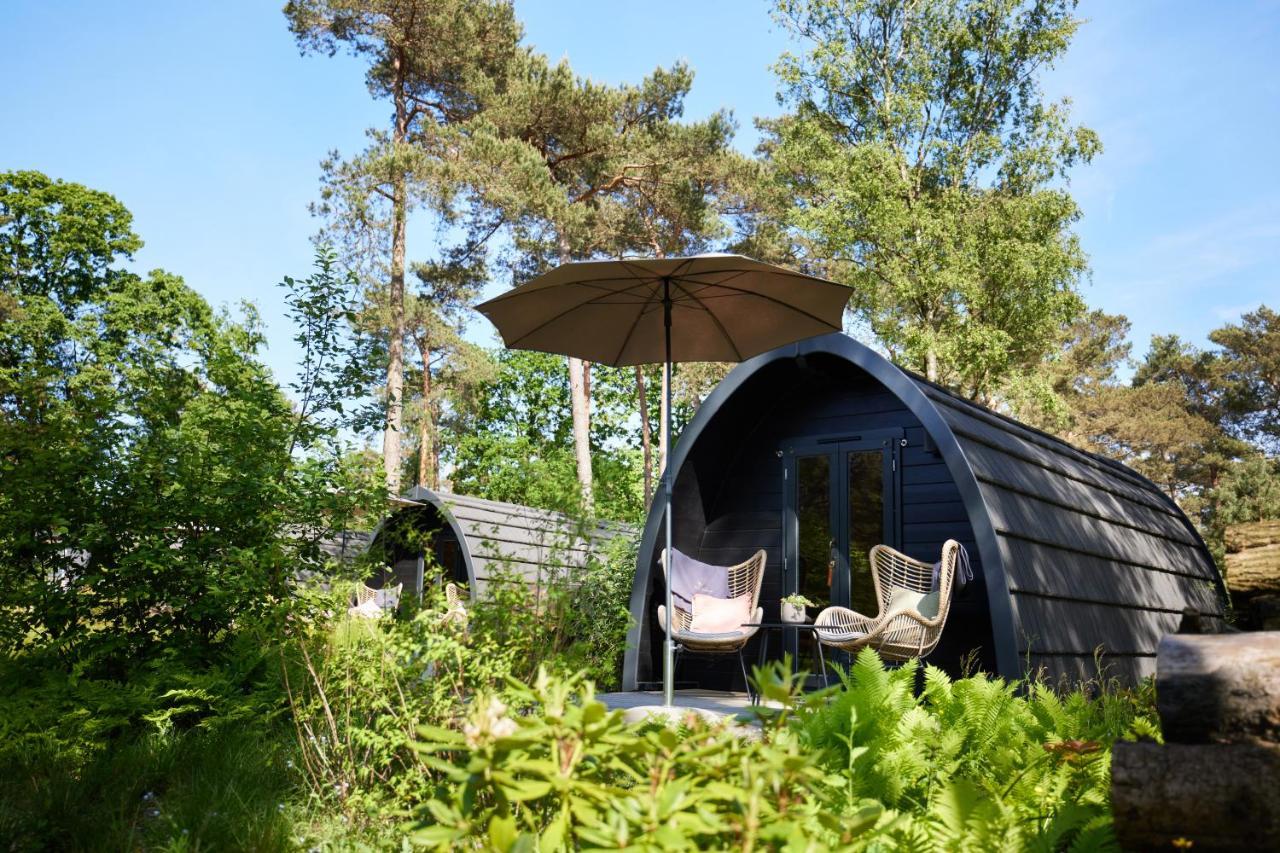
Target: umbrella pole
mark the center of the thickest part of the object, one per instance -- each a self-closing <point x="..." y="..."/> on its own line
<point x="669" y="647"/>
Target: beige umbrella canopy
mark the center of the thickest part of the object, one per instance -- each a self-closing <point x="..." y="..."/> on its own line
<point x="723" y="308"/>
<point x="662" y="310"/>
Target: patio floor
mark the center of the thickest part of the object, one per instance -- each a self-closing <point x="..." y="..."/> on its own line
<point x="711" y="704"/>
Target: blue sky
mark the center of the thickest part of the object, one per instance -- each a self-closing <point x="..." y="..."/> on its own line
<point x="205" y="121"/>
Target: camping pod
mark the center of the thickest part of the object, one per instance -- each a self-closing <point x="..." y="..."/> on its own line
<point x="819" y="450"/>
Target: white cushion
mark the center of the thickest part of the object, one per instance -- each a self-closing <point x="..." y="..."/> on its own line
<point x="901" y="600"/>
<point x="713" y="615"/>
<point x="699" y="636"/>
<point x="836" y="635"/>
<point x="368" y="610"/>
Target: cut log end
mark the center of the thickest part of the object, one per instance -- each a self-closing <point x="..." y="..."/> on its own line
<point x="1220" y="687"/>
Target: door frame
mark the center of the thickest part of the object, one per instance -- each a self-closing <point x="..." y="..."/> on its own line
<point x="891" y="441"/>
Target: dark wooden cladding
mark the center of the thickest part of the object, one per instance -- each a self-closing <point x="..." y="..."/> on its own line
<point x="1096" y="578"/>
<point x="503" y="541"/>
<point x="1097" y="558"/>
<point x="1078" y="668"/>
<point x="1072" y="553"/>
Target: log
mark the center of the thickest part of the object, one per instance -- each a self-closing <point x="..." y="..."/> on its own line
<point x="1253" y="558"/>
<point x="1219" y="687"/>
<point x="1218" y="796"/>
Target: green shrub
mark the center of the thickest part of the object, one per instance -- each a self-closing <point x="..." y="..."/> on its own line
<point x="573" y="775"/>
<point x="192" y="754"/>
<point x="358" y="690"/>
<point x="999" y="764"/>
<point x="971" y="764"/>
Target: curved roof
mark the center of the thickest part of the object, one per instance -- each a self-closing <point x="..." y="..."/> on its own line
<point x="1078" y="551"/>
<point x="501" y="539"/>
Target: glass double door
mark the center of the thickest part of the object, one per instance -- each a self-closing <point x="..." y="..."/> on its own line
<point x="841" y="499"/>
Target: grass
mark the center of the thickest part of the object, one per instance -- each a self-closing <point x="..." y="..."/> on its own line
<point x="197" y="790"/>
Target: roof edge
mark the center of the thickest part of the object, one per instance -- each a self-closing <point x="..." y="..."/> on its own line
<point x="422" y="494"/>
<point x="917" y="401"/>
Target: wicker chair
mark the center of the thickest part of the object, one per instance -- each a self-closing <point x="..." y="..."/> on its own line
<point x="744" y="579"/>
<point x="897" y="632"/>
<point x="455" y="612"/>
<point x="391" y="600"/>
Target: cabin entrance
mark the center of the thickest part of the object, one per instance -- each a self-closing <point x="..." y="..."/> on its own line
<point x="840" y="499"/>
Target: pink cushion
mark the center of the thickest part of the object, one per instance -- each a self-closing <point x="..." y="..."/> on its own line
<point x="713" y="615"/>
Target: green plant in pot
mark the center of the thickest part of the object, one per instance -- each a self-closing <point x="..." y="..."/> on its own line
<point x="793" y="608"/>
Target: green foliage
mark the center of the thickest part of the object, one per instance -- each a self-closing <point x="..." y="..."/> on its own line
<point x="925" y="170"/>
<point x="59" y="240"/>
<point x="145" y="447"/>
<point x="516" y="444"/>
<point x="359" y="690"/>
<point x="1249" y="491"/>
<point x="194" y="790"/>
<point x="1250" y="367"/>
<point x="175" y="755"/>
<point x="1192" y="420"/>
<point x="337" y="370"/>
<point x="970" y="764"/>
<point x="573" y="774"/>
<point x="1090" y="352"/>
<point x="157" y="495"/>
<point x="973" y="761"/>
<point x="598" y="613"/>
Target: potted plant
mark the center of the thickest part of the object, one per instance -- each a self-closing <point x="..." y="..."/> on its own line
<point x="793" y="608"/>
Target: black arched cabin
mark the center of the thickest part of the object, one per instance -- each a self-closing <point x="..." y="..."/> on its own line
<point x="818" y="450"/>
<point x="431" y="537"/>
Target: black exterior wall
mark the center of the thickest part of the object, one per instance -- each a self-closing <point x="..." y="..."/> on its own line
<point x="1070" y="551"/>
<point x="478" y="542"/>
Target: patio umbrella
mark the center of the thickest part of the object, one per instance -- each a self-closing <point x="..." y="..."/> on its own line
<point x="662" y="310"/>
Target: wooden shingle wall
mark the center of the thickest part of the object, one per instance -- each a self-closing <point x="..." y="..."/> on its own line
<point x="1097" y="558"/>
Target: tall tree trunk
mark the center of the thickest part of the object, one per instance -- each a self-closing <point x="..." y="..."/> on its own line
<point x="426" y="427"/>
<point x="580" y="396"/>
<point x="395" y="348"/>
<point x="435" y="453"/>
<point x="395" y="297"/>
<point x="931" y="364"/>
<point x="646" y="437"/>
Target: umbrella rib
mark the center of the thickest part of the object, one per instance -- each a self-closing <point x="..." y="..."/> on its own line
<point x="778" y="271"/>
<point x="724" y="333"/>
<point x="776" y="301"/>
<point x="636" y="322"/>
<point x="520" y="291"/>
<point x="573" y="308"/>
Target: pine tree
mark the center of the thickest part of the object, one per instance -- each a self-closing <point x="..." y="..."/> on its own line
<point x="436" y="62"/>
<point x="549" y="154"/>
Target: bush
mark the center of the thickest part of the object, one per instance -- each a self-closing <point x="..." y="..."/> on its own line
<point x="180" y="752"/>
<point x="974" y="763"/>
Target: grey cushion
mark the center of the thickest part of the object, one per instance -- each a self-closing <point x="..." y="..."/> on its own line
<point x="387" y="599"/>
<point x="704" y="637"/>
